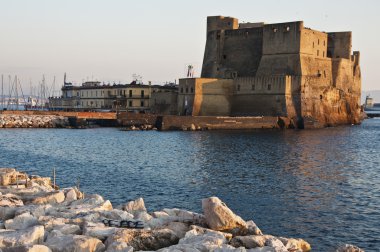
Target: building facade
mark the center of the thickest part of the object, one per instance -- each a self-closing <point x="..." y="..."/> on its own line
<point x="94" y="96"/>
<point x="284" y="69"/>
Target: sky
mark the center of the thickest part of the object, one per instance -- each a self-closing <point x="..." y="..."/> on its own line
<point x="110" y="40"/>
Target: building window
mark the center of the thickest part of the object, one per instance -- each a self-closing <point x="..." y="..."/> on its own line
<point x="187" y="90"/>
<point x="78" y="94"/>
<point x="192" y="90"/>
<point x="130" y="93"/>
<point x="324" y="42"/>
<point x="324" y="73"/>
<point x="269" y="86"/>
<point x="238" y="88"/>
<point x="124" y="92"/>
<point x="142" y="93"/>
<point x="96" y="93"/>
<point x="318" y="41"/>
<point x="253" y="87"/>
<point x="323" y="53"/>
<point x="141" y="103"/>
<point x="181" y="89"/>
<point x="130" y="103"/>
<point x="224" y="56"/>
<point x="317" y="52"/>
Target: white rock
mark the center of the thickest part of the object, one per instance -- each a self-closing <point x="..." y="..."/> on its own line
<point x="77" y="243"/>
<point x="50" y="198"/>
<point x="219" y="217"/>
<point x="71" y="195"/>
<point x="98" y="230"/>
<point x="349" y="248"/>
<point x="144" y="239"/>
<point x="21" y="221"/>
<point x="276" y="244"/>
<point x="10" y="200"/>
<point x="250" y="241"/>
<point x="119" y="247"/>
<point x="29" y="236"/>
<point x="292" y="244"/>
<point x="68" y="229"/>
<point x="135" y="206"/>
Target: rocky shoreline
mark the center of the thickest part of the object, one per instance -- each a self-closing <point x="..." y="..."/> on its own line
<point x="33" y="121"/>
<point x="38" y="216"/>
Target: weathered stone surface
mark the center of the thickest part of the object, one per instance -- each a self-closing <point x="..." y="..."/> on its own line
<point x="7" y="213"/>
<point x="119" y="247"/>
<point x="276" y="244"/>
<point x="98" y="230"/>
<point x="35" y="210"/>
<point x="31" y="248"/>
<point x="71" y="195"/>
<point x="250" y="241"/>
<point x="10" y="200"/>
<point x="349" y="248"/>
<point x="135" y="206"/>
<point x="77" y="243"/>
<point x="6" y="176"/>
<point x="219" y="217"/>
<point x="295" y="244"/>
<point x="29" y="236"/>
<point x="21" y="221"/>
<point x="144" y="239"/>
<point x="67" y="229"/>
<point x="50" y="198"/>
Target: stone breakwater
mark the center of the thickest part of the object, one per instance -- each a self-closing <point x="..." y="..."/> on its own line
<point x="33" y="121"/>
<point x="38" y="216"/>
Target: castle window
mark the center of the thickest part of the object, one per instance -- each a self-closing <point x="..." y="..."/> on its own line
<point x="181" y="89"/>
<point x="130" y="103"/>
<point x="238" y="88"/>
<point x="323" y="53"/>
<point x="318" y="41"/>
<point x="324" y="73"/>
<point x="224" y="56"/>
<point x="313" y="44"/>
<point x="191" y="90"/>
<point x="319" y="73"/>
<point x="130" y="93"/>
<point x="187" y="90"/>
<point x="253" y="86"/>
<point x="269" y="86"/>
<point x="320" y="97"/>
<point x="324" y="42"/>
<point x="317" y="52"/>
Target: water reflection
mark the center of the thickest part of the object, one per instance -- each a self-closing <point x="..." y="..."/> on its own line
<point x="321" y="185"/>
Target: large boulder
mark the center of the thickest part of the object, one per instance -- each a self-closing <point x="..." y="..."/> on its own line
<point x="98" y="230"/>
<point x="135" y="206"/>
<point x="50" y="198"/>
<point x="21" y="221"/>
<point x="292" y="244"/>
<point x="29" y="236"/>
<point x="250" y="241"/>
<point x="77" y="243"/>
<point x="349" y="248"/>
<point x="143" y="239"/>
<point x="30" y="248"/>
<point x="7" y="176"/>
<point x="219" y="217"/>
<point x="10" y="200"/>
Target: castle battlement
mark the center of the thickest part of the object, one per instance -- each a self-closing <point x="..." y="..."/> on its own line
<point x="279" y="69"/>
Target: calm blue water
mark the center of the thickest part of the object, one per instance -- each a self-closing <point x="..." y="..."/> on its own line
<point x="320" y="185"/>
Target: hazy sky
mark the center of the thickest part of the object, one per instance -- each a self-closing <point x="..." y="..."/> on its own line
<point x="111" y="40"/>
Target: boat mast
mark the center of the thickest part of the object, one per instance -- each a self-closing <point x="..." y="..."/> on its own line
<point x="2" y="91"/>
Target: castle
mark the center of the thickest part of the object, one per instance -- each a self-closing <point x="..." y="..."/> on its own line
<point x="282" y="69"/>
